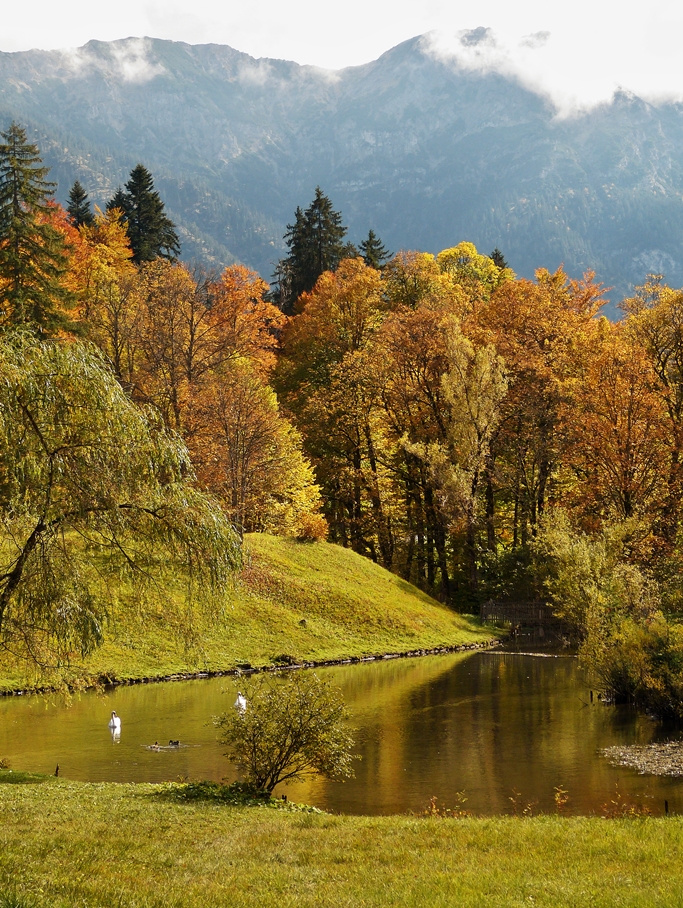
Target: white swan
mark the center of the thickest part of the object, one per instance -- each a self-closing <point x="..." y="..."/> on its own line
<point x="115" y="722"/>
<point x="241" y="702"/>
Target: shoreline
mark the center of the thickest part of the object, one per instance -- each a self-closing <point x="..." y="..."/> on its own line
<point x="245" y="668"/>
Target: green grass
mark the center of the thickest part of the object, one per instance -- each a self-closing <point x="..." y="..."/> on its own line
<point x="302" y="601"/>
<point x="143" y="846"/>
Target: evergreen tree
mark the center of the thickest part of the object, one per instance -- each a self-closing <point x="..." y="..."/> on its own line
<point x="118" y="200"/>
<point x="151" y="233"/>
<point x="79" y="207"/>
<point x="33" y="253"/>
<point x="350" y="251"/>
<point x="315" y="242"/>
<point x="498" y="258"/>
<point x="374" y="252"/>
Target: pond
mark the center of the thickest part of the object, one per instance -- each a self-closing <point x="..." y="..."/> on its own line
<point x="487" y="724"/>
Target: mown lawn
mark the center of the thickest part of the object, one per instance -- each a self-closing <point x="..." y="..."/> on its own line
<point x="303" y="601"/>
<point x="75" y="844"/>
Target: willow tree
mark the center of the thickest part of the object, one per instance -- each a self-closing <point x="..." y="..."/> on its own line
<point x="93" y="497"/>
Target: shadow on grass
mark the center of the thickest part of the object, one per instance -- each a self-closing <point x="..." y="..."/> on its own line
<point x="10" y="777"/>
<point x="238" y="794"/>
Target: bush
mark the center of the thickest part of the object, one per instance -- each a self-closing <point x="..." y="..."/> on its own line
<point x="639" y="661"/>
<point x="634" y="653"/>
<point x="312" y="527"/>
<point x="292" y="727"/>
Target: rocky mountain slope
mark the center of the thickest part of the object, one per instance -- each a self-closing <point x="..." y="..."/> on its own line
<point x="409" y="145"/>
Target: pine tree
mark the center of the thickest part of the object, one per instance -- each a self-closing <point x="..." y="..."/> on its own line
<point x="79" y="207"/>
<point x="33" y="252"/>
<point x="315" y="242"/>
<point x="374" y="252"/>
<point x="151" y="233"/>
<point x="498" y="258"/>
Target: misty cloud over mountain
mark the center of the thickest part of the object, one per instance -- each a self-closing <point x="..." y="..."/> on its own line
<point x="424" y="149"/>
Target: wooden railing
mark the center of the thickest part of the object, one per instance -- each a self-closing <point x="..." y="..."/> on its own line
<point x="519" y="614"/>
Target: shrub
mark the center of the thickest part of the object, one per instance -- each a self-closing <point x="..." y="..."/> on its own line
<point x="292" y="727"/>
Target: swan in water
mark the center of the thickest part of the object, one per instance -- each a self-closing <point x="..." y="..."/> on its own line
<point x="240" y="702"/>
<point x="115" y="722"/>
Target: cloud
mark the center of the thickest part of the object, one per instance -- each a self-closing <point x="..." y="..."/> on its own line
<point x="257" y="72"/>
<point x="129" y="60"/>
<point x="574" y="68"/>
<point x="538" y="39"/>
<point x="132" y="58"/>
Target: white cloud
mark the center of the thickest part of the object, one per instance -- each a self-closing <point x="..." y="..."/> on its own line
<point x="130" y="61"/>
<point x="576" y="55"/>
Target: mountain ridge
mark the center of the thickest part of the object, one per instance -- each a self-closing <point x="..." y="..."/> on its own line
<point x="420" y="151"/>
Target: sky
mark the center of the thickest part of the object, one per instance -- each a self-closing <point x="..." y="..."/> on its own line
<point x="577" y="53"/>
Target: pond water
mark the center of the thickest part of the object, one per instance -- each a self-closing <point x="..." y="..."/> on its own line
<point x="487" y="724"/>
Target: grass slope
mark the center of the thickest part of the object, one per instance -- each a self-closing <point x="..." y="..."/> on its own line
<point x="141" y="846"/>
<point x="307" y="601"/>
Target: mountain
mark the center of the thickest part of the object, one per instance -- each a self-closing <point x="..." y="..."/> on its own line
<point x="409" y="145"/>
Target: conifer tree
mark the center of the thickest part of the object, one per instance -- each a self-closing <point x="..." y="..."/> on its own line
<point x="374" y="252"/>
<point x="498" y="258"/>
<point x="33" y="252"/>
<point x="118" y="200"/>
<point x="315" y="242"/>
<point x="78" y="208"/>
<point x="151" y="233"/>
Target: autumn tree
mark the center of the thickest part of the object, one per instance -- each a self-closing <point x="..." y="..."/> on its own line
<point x="239" y="320"/>
<point x="33" y="252"/>
<point x="199" y="349"/>
<point x="320" y="378"/>
<point x="364" y="371"/>
<point x="474" y="386"/>
<point x="655" y="321"/>
<point x="538" y="327"/>
<point x="617" y="432"/>
<point x="250" y="456"/>
<point x="105" y="284"/>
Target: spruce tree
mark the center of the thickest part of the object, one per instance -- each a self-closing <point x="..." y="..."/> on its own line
<point x="315" y="242"/>
<point x="498" y="258"/>
<point x="375" y="253"/>
<point x="78" y="208"/>
<point x="118" y="200"/>
<point x="33" y="253"/>
<point x="151" y="233"/>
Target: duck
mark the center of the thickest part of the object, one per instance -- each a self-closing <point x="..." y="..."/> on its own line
<point x="115" y="721"/>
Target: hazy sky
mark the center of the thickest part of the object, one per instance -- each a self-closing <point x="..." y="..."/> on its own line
<point x="578" y="52"/>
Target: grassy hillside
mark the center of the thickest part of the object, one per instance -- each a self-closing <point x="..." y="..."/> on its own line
<point x="145" y="845"/>
<point x="292" y="601"/>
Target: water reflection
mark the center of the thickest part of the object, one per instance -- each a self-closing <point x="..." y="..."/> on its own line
<point x="483" y="724"/>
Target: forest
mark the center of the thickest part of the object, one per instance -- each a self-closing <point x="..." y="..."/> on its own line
<point x="479" y="434"/>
